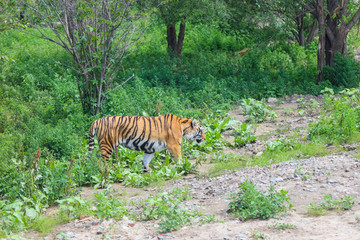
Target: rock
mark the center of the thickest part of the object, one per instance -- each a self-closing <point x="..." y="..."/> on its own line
<point x="331" y="181"/>
<point x="272" y="100"/>
<point x="70" y="235"/>
<point x="240" y="236"/>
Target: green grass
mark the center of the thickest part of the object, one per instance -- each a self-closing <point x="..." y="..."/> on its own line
<point x="45" y="224"/>
<point x="282" y="226"/>
<point x="330" y="204"/>
<point x="225" y="163"/>
<point x="300" y="151"/>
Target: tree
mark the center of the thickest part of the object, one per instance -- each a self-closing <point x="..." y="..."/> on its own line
<point x="180" y="12"/>
<point x="337" y="17"/>
<point x="97" y="34"/>
<point x="340" y="19"/>
<point x="297" y="19"/>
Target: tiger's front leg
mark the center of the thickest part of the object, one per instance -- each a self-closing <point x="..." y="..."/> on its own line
<point x="175" y="151"/>
<point x="146" y="161"/>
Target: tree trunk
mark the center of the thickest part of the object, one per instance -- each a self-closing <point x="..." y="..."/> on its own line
<point x="313" y="32"/>
<point x="180" y="40"/>
<point x="300" y="25"/>
<point x="336" y="32"/>
<point x="171" y="39"/>
<point x="321" y="46"/>
<point x="175" y="44"/>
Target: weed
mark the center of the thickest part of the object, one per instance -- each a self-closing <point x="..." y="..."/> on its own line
<point x="307" y="106"/>
<point x="340" y="121"/>
<point x="258" y="235"/>
<point x="46" y="223"/>
<point x="74" y="207"/>
<point x="282" y="226"/>
<point x="299" y="171"/>
<point x="258" y="111"/>
<point x="229" y="162"/>
<point x="168" y="208"/>
<point x="243" y="135"/>
<point x="298" y="151"/>
<point x="280" y="144"/>
<point x="330" y="203"/>
<point x="108" y="206"/>
<point x="251" y="203"/>
<point x="315" y="210"/>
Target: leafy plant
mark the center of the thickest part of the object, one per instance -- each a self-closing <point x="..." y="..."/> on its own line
<point x="251" y="203"/>
<point x="74" y="207"/>
<point x="168" y="208"/>
<point x="282" y="226"/>
<point x="17" y="215"/>
<point x="341" y="118"/>
<point x="307" y="106"/>
<point x="108" y="206"/>
<point x="330" y="203"/>
<point x="280" y="144"/>
<point x="243" y="135"/>
<point x="258" y="111"/>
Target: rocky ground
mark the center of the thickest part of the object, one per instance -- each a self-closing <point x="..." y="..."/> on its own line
<point x="306" y="180"/>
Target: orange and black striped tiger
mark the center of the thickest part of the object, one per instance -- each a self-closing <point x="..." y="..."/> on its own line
<point x="148" y="134"/>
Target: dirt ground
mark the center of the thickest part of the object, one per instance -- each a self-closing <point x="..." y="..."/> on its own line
<point x="336" y="174"/>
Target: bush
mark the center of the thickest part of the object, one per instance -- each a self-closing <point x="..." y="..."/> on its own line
<point x="345" y="73"/>
<point x="251" y="203"/>
<point x="341" y="119"/>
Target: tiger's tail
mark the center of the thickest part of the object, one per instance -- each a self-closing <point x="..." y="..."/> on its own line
<point x="92" y="132"/>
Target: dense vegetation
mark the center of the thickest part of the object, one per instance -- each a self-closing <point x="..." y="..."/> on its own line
<point x="40" y="107"/>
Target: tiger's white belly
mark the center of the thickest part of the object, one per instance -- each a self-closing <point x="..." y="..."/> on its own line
<point x="144" y="145"/>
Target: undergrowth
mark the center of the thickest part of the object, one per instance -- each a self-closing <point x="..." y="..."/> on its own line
<point x="251" y="203"/>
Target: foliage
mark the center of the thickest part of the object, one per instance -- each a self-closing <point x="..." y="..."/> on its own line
<point x="330" y="203"/>
<point x="299" y="151"/>
<point x="103" y="206"/>
<point x="258" y="111"/>
<point x="280" y="144"/>
<point x="225" y="163"/>
<point x="19" y="214"/>
<point x="282" y="226"/>
<point x="243" y="135"/>
<point x="345" y="73"/>
<point x="168" y="208"/>
<point x="250" y="203"/>
<point x="341" y="118"/>
<point x="307" y="106"/>
<point x="96" y="35"/>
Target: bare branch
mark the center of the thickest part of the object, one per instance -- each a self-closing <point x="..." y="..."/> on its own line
<point x="122" y="83"/>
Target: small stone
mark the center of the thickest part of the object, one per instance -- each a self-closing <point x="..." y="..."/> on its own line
<point x="331" y="181"/>
<point x="239" y="236"/>
<point x="324" y="186"/>
<point x="259" y="153"/>
<point x="70" y="235"/>
<point x="347" y="170"/>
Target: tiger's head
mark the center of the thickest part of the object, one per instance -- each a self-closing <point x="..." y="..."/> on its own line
<point x="194" y="132"/>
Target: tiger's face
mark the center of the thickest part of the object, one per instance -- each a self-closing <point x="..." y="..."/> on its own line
<point x="194" y="132"/>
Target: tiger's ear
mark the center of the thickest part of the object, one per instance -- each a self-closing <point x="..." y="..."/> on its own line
<point x="194" y="123"/>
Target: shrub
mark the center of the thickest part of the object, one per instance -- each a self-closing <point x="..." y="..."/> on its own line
<point x="345" y="73"/>
<point x="243" y="135"/>
<point x="341" y="118"/>
<point x="258" y="111"/>
<point x="251" y="203"/>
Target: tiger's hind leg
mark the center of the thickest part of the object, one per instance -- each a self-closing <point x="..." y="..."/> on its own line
<point x="146" y="161"/>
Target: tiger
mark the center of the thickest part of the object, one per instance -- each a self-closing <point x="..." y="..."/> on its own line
<point x="148" y="134"/>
